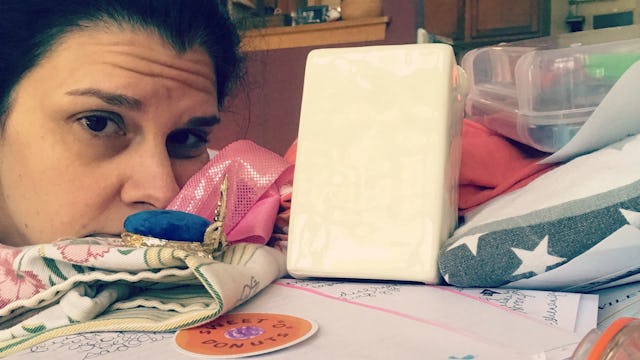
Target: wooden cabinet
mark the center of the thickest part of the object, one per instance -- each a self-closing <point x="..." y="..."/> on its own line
<point x="472" y="23"/>
<point x="323" y="34"/>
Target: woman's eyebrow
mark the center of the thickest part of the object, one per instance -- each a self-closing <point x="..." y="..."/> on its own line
<point x="203" y="121"/>
<point x="132" y="103"/>
<point x="109" y="98"/>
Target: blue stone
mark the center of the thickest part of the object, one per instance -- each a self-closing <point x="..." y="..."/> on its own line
<point x="167" y="225"/>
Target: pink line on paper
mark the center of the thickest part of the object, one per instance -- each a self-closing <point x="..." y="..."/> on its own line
<point x="388" y="311"/>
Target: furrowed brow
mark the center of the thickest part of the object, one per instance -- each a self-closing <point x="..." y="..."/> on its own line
<point x="203" y="121"/>
<point x="109" y="98"/>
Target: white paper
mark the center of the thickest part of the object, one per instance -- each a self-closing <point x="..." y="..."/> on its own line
<point x="616" y="302"/>
<point x="378" y="320"/>
<point x="615" y="118"/>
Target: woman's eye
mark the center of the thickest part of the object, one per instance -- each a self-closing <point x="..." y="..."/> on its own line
<point x="101" y="124"/>
<point x="186" y="143"/>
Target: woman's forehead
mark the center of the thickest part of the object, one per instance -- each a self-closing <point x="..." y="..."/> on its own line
<point x="141" y="52"/>
<point x="121" y="69"/>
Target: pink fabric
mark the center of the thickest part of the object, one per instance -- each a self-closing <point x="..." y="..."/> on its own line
<point x="255" y="176"/>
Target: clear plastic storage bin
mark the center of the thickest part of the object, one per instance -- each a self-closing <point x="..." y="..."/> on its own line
<point x="539" y="92"/>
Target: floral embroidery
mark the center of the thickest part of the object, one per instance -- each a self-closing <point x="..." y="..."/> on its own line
<point x="16" y="284"/>
<point x="81" y="253"/>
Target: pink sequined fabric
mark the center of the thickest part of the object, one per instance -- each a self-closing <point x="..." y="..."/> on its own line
<point x="255" y="177"/>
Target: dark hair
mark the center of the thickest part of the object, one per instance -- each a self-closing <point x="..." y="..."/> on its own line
<point x="30" y="28"/>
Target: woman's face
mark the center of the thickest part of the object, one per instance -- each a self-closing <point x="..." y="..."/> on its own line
<point x="111" y="122"/>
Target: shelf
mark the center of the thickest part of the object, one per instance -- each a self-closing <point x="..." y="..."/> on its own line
<point x="335" y="32"/>
<point x="576" y="2"/>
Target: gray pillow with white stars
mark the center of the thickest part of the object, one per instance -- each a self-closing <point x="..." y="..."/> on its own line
<point x="548" y="223"/>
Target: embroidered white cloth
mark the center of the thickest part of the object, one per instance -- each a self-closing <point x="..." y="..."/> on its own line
<point x="95" y="284"/>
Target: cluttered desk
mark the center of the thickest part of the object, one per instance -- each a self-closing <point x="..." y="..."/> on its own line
<point x="360" y="320"/>
<point x="527" y="273"/>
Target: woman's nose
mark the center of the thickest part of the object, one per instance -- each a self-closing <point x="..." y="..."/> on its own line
<point x="151" y="180"/>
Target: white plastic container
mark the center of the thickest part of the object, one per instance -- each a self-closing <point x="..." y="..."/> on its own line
<point x="540" y="92"/>
<point x="376" y="176"/>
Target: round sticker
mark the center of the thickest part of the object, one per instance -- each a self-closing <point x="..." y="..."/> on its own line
<point x="244" y="334"/>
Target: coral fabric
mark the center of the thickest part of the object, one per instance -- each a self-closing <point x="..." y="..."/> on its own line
<point x="493" y="165"/>
<point x="255" y="177"/>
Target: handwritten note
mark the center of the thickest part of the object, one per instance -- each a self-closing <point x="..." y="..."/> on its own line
<point x="553" y="308"/>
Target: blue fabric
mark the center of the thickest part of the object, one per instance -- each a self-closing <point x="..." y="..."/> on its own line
<point x="167" y="225"/>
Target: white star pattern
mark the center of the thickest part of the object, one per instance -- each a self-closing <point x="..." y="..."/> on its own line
<point x="633" y="217"/>
<point x="536" y="260"/>
<point x="471" y="242"/>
